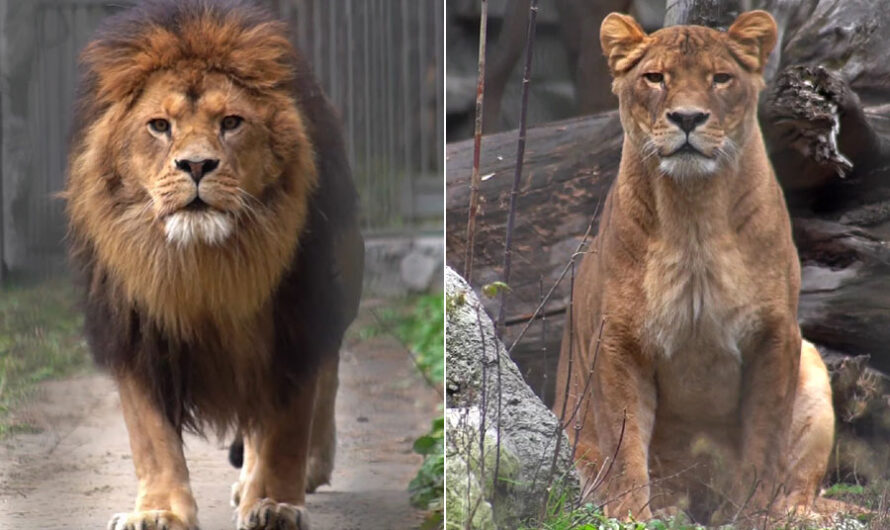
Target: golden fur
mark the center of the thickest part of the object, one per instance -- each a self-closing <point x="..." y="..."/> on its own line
<point x="683" y="334"/>
<point x="212" y="217"/>
<point x="180" y="288"/>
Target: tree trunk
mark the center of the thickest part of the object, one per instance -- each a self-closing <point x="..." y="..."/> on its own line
<point x="711" y="13"/>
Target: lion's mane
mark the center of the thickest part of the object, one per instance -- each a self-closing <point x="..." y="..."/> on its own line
<point x="222" y="335"/>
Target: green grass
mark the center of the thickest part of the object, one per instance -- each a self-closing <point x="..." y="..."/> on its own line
<point x="588" y="517"/>
<point x="40" y="339"/>
<point x="560" y="516"/>
<point x="873" y="496"/>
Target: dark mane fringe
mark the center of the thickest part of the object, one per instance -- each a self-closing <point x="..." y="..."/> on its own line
<point x="318" y="296"/>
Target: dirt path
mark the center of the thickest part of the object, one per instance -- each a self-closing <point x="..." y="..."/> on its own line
<point x="77" y="470"/>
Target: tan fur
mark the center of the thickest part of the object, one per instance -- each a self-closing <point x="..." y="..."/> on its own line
<point x="693" y="283"/>
<point x="164" y="492"/>
<point x="274" y="476"/>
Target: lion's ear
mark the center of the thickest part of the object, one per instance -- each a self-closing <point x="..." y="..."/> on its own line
<point x="623" y="42"/>
<point x="752" y="37"/>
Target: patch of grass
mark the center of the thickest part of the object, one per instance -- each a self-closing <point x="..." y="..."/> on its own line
<point x="589" y="517"/>
<point x="873" y="496"/>
<point x="841" y="490"/>
<point x="40" y="339"/>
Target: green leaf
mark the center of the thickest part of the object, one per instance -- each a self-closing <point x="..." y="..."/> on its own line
<point x="492" y="289"/>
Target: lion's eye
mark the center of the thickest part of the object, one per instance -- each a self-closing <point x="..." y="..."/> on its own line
<point x="654" y="77"/>
<point x="230" y="123"/>
<point x="722" y="79"/>
<point x="159" y="125"/>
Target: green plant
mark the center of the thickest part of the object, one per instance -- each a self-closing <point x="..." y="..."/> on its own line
<point x="427" y="486"/>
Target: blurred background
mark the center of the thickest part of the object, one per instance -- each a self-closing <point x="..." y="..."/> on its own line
<point x="569" y="74"/>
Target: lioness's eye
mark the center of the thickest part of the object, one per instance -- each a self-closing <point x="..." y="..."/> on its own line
<point x="231" y="123"/>
<point x="720" y="79"/>
<point x="159" y="125"/>
<point x="654" y="77"/>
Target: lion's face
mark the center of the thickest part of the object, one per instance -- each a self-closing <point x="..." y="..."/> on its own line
<point x="200" y="149"/>
<point x="192" y="167"/>
<point x="688" y="95"/>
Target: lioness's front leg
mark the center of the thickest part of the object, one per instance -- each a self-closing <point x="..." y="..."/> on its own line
<point x="624" y="408"/>
<point x="164" y="500"/>
<point x="770" y="376"/>
<point x="276" y="454"/>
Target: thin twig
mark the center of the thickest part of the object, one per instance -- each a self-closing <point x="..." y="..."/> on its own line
<point x="596" y="485"/>
<point x="520" y="157"/>
<point x="562" y="275"/>
<point x="477" y="147"/>
<point x="587" y="382"/>
<point x="484" y="408"/>
<point x="514" y="192"/>
<point x="559" y="425"/>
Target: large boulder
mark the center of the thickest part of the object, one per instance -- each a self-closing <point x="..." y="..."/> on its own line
<point x="501" y="432"/>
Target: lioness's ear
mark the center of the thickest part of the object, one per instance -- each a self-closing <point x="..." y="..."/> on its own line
<point x="623" y="42"/>
<point x="751" y="38"/>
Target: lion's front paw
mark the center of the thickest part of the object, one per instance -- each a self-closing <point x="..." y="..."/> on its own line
<point x="148" y="520"/>
<point x="266" y="514"/>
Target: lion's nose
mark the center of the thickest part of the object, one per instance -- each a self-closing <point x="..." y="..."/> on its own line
<point x="198" y="169"/>
<point x="687" y="119"/>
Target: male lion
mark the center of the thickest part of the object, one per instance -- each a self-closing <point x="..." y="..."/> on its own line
<point x="682" y="359"/>
<point x="212" y="217"/>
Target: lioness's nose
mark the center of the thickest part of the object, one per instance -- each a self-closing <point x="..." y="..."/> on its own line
<point x="198" y="169"/>
<point x="687" y="119"/>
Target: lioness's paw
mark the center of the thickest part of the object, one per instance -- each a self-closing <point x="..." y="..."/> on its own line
<point x="148" y="520"/>
<point x="266" y="514"/>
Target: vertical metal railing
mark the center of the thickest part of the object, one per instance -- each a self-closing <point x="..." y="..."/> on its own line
<point x="380" y="62"/>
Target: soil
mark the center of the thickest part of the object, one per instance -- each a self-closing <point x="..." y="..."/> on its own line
<point x="76" y="470"/>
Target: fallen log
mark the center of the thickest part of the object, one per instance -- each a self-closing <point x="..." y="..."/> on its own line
<point x="845" y="296"/>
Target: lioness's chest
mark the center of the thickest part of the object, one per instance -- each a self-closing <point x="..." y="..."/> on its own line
<point x="700" y="311"/>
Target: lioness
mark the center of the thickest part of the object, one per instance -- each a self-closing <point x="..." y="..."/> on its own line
<point x="682" y="355"/>
<point x="213" y="220"/>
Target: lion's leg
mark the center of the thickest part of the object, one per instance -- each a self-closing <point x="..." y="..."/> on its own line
<point x="623" y="402"/>
<point x="812" y="429"/>
<point x="323" y="444"/>
<point x="164" y="500"/>
<point x="249" y="461"/>
<point x="274" y="492"/>
<point x="770" y="375"/>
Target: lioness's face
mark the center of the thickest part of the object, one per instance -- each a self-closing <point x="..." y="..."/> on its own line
<point x="202" y="150"/>
<point x="688" y="94"/>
